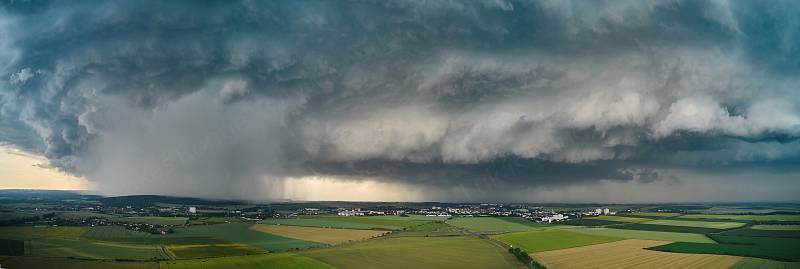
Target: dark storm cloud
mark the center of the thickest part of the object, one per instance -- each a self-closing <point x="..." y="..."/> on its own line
<point x="211" y="98"/>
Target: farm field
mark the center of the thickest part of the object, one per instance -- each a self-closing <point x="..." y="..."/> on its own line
<point x="776" y="227"/>
<point x="781" y="249"/>
<point x="756" y="263"/>
<point x="15" y="232"/>
<point x="536" y="241"/>
<point x="591" y="222"/>
<point x="699" y="224"/>
<point x="74" y="215"/>
<point x="56" y="247"/>
<point x="744" y="217"/>
<point x="621" y="219"/>
<point x="629" y="253"/>
<point x="26" y="262"/>
<point x="153" y="220"/>
<point x="646" y="235"/>
<point x="389" y="221"/>
<point x="211" y="251"/>
<point x="652" y="214"/>
<point x="438" y="228"/>
<point x="763" y="233"/>
<point x="272" y="261"/>
<point x="665" y="228"/>
<point x="241" y="233"/>
<point x="320" y="235"/>
<point x="10" y="247"/>
<point x="488" y="224"/>
<point x="328" y="223"/>
<point x="417" y="252"/>
<point x="122" y="235"/>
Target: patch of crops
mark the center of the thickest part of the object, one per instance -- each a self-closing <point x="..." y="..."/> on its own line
<point x="665" y="228"/>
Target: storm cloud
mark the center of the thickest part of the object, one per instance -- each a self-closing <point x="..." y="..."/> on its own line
<point x="231" y="98"/>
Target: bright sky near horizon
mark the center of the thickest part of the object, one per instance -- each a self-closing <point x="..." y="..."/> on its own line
<point x="24" y="170"/>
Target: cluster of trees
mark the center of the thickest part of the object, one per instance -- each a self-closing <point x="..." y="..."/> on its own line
<point x="525" y="258"/>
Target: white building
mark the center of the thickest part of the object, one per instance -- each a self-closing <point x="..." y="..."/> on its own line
<point x="192" y="210"/>
<point x="598" y="211"/>
<point x="606" y="211"/>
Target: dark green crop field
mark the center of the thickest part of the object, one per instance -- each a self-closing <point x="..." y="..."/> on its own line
<point x="591" y="222"/>
<point x="780" y="249"/>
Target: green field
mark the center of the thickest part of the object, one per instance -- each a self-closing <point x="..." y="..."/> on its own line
<point x="74" y="215"/>
<point x="666" y="228"/>
<point x="328" y="223"/>
<point x="776" y="227"/>
<point x="122" y="235"/>
<point x="64" y="263"/>
<point x="777" y="217"/>
<point x="781" y="249"/>
<point x="763" y="233"/>
<point x="153" y="220"/>
<point x="55" y="247"/>
<point x="272" y="261"/>
<point x="417" y="252"/>
<point x="16" y="232"/>
<point x="756" y="263"/>
<point x="488" y="224"/>
<point x="621" y="219"/>
<point x="10" y="247"/>
<point x="438" y="228"/>
<point x="536" y="241"/>
<point x="699" y="224"/>
<point x="387" y="221"/>
<point x="653" y="214"/>
<point x="211" y="251"/>
<point x="648" y="235"/>
<point x="591" y="222"/>
<point x="241" y="233"/>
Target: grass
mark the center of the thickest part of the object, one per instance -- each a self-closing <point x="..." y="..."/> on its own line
<point x="781" y="249"/>
<point x="756" y="263"/>
<point x="629" y="253"/>
<point x="76" y="215"/>
<point x="621" y="219"/>
<point x="646" y="235"/>
<point x="777" y="217"/>
<point x="699" y="224"/>
<point x="65" y="263"/>
<point x="328" y="223"/>
<point x="386" y="221"/>
<point x="122" y="235"/>
<point x="56" y="247"/>
<point x="488" y="224"/>
<point x="153" y="220"/>
<point x="666" y="228"/>
<point x="463" y="252"/>
<point x="241" y="233"/>
<point x="319" y="235"/>
<point x="10" y="247"/>
<point x="653" y="214"/>
<point x="272" y="261"/>
<point x="438" y="228"/>
<point x="591" y="222"/>
<point x="776" y="227"/>
<point x="211" y="251"/>
<point x="763" y="233"/>
<point x="536" y="241"/>
<point x="47" y="232"/>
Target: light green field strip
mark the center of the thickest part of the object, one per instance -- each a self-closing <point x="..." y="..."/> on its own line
<point x="537" y="241"/>
<point x="271" y="261"/>
<point x="648" y="235"/>
<point x="777" y="227"/>
<point x="463" y="252"/>
<point x="622" y="219"/>
<point x="700" y="224"/>
<point x="488" y="224"/>
<point x="328" y="223"/>
<point x="744" y="217"/>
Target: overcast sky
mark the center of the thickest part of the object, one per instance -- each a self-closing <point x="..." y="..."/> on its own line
<point x="558" y="101"/>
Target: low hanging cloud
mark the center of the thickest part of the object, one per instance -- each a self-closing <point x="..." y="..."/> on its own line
<point x="230" y="98"/>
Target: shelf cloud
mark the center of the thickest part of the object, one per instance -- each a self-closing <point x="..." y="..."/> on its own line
<point x="230" y="99"/>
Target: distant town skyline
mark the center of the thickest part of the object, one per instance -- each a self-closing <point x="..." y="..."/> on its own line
<point x="542" y="101"/>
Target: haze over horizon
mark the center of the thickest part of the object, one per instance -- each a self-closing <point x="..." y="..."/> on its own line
<point x="542" y="101"/>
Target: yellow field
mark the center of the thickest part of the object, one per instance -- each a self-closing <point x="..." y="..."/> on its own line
<point x="321" y="235"/>
<point x="629" y="254"/>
